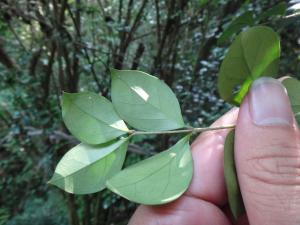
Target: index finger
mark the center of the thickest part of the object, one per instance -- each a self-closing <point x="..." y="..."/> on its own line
<point x="208" y="155"/>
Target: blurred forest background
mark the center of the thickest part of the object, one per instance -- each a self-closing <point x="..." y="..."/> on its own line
<point x="50" y="46"/>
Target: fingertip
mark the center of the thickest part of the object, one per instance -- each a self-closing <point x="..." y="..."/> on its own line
<point x="267" y="153"/>
<point x="184" y="211"/>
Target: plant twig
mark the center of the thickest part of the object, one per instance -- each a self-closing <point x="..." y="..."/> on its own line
<point x="292" y="15"/>
<point x="17" y="37"/>
<point x="189" y="130"/>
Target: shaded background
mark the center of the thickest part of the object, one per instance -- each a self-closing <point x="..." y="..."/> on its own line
<point x="50" y="46"/>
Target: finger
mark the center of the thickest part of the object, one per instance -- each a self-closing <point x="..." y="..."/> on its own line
<point x="241" y="220"/>
<point x="208" y="155"/>
<point x="190" y="209"/>
<point x="267" y="154"/>
<point x="184" y="211"/>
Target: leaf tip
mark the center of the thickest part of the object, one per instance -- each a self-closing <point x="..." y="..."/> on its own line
<point x="66" y="95"/>
<point x="108" y="184"/>
<point x="113" y="72"/>
<point x="50" y="182"/>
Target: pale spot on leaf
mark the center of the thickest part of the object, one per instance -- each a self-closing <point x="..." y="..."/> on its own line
<point x="141" y="92"/>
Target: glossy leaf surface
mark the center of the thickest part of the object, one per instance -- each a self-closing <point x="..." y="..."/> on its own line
<point x="91" y="118"/>
<point x="233" y="191"/>
<point x="293" y="88"/>
<point x="254" y="53"/>
<point x="144" y="101"/>
<point x="156" y="180"/>
<point x="85" y="168"/>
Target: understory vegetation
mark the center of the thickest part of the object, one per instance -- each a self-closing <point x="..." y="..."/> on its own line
<point x="56" y="46"/>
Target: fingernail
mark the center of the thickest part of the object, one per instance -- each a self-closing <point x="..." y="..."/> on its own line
<point x="269" y="103"/>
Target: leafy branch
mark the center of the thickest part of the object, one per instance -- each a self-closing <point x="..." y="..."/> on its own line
<point x="148" y="106"/>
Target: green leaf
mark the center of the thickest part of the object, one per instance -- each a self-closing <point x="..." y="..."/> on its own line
<point x="293" y="88"/>
<point x="144" y="101"/>
<point x="156" y="180"/>
<point x="203" y="2"/>
<point x="246" y="19"/>
<point x="91" y="118"/>
<point x="233" y="190"/>
<point x="254" y="53"/>
<point x="85" y="168"/>
<point x="277" y="10"/>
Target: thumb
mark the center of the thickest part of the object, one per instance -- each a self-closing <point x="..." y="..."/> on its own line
<point x="267" y="155"/>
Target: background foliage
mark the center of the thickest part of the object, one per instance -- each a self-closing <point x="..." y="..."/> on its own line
<point x="47" y="47"/>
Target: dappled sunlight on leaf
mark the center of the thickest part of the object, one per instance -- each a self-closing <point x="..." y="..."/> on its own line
<point x="141" y="92"/>
<point x="85" y="168"/>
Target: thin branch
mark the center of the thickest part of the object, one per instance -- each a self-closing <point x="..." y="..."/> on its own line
<point x="58" y="136"/>
<point x="86" y="54"/>
<point x="75" y="65"/>
<point x="189" y="130"/>
<point x="158" y="21"/>
<point x="83" y="45"/>
<point x="101" y="8"/>
<point x="18" y="12"/>
<point x="126" y="38"/>
<point x="120" y="11"/>
<point x="143" y="35"/>
<point x="17" y="37"/>
<point x="137" y="19"/>
<point x="48" y="70"/>
<point x="62" y="11"/>
<point x="5" y="59"/>
<point x="128" y="15"/>
<point x="138" y="55"/>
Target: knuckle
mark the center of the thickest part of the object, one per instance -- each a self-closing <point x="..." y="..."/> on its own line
<point x="277" y="169"/>
<point x="276" y="162"/>
<point x="274" y="177"/>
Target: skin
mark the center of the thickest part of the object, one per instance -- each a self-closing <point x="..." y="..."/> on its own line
<point x="206" y="195"/>
<point x="267" y="161"/>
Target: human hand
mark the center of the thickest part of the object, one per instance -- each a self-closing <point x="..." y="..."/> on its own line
<point x="267" y="157"/>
